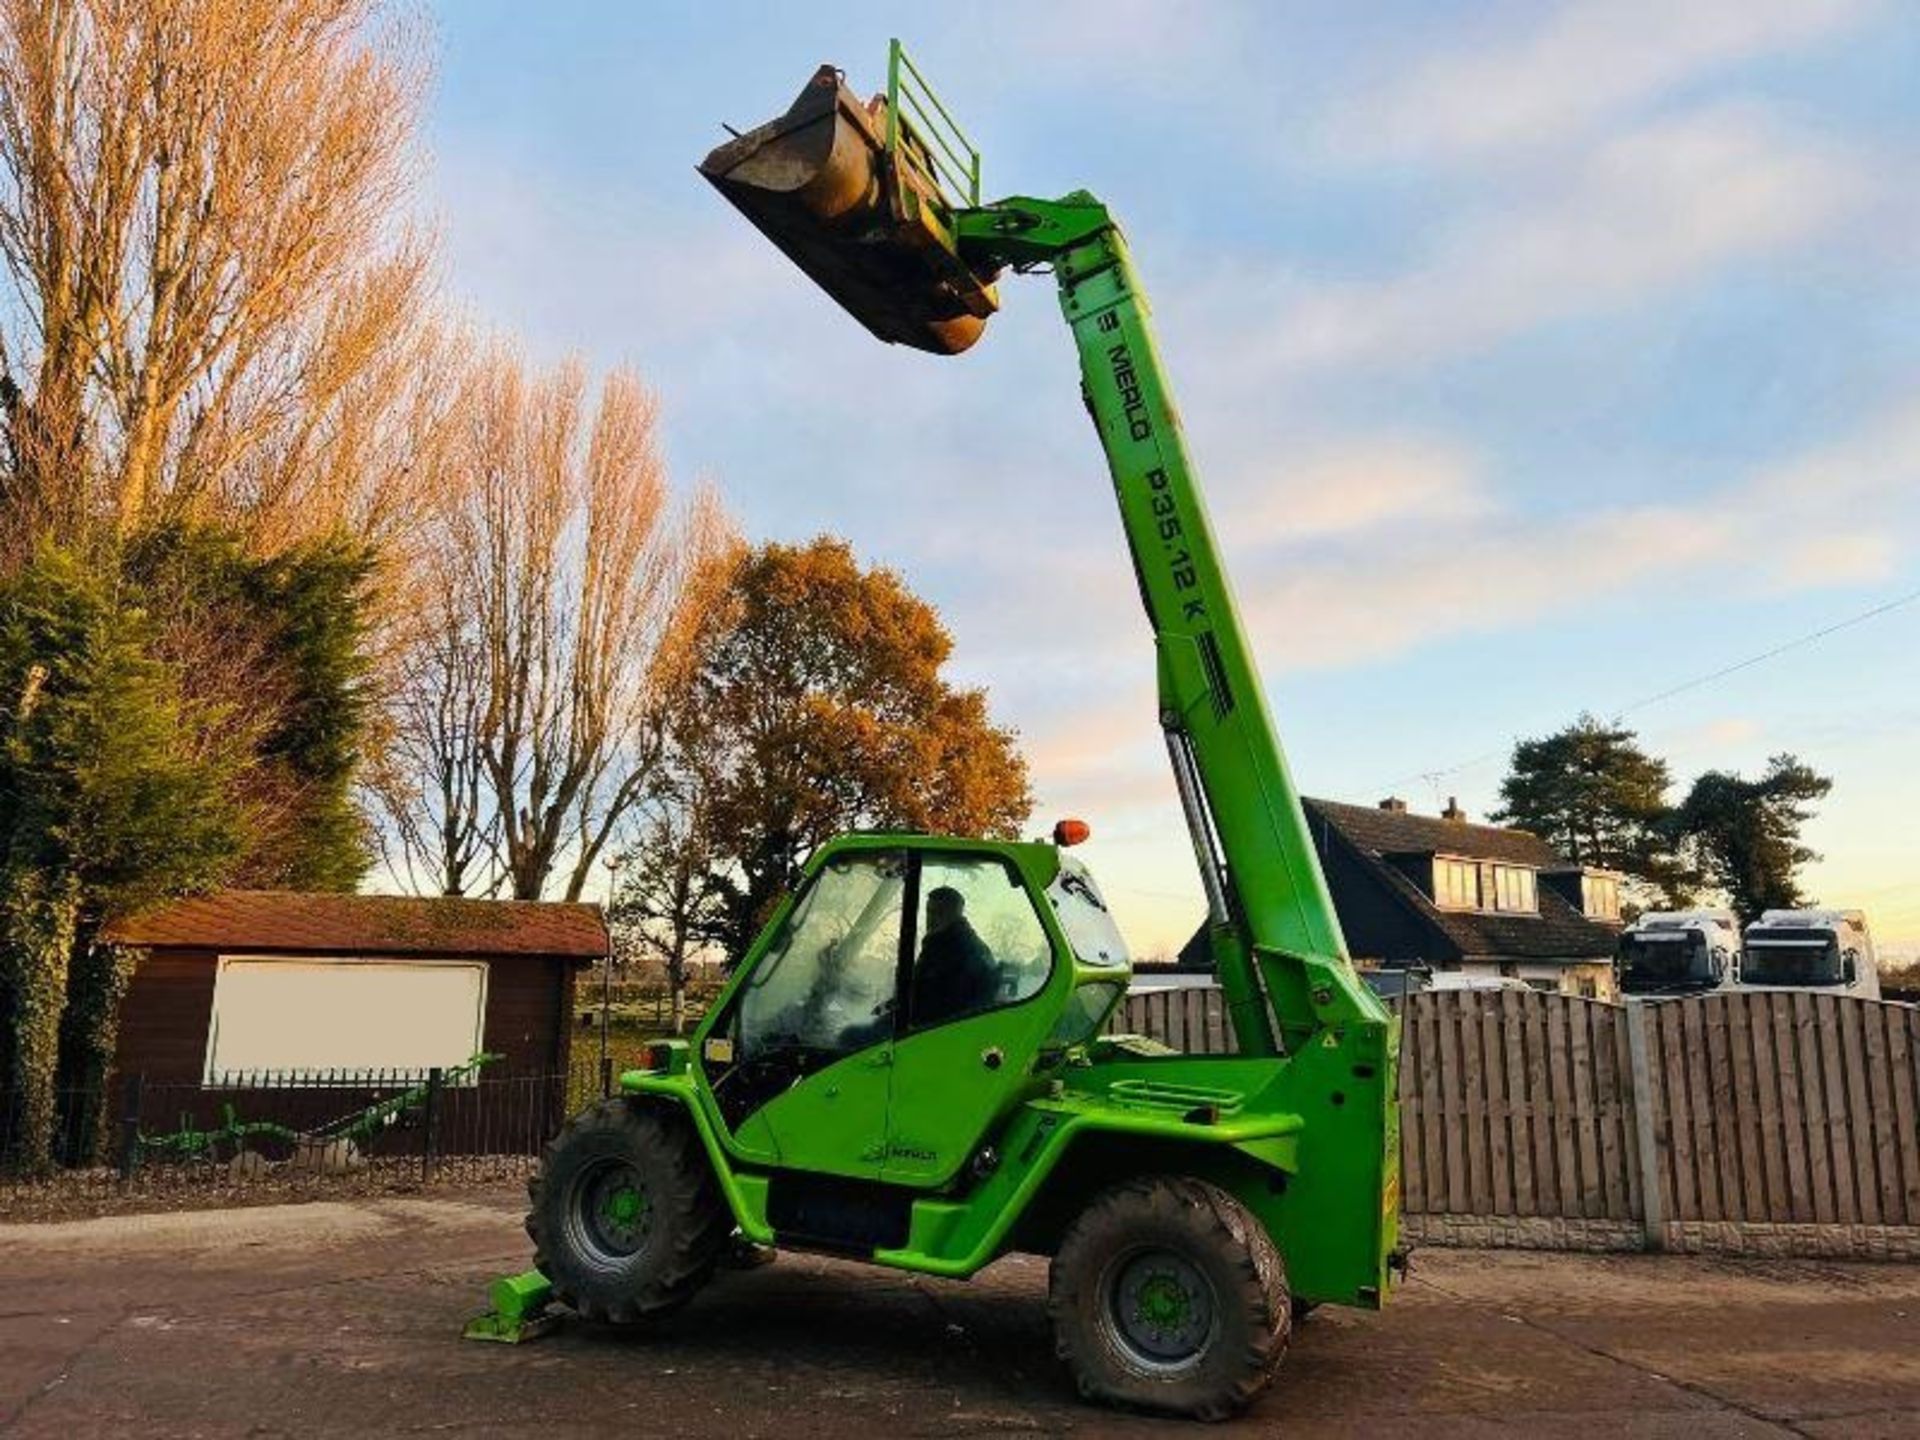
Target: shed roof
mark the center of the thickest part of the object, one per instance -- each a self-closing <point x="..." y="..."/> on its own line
<point x="331" y="924"/>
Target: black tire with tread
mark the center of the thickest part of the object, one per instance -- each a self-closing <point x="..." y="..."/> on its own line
<point x="1219" y="1237"/>
<point x="691" y="1221"/>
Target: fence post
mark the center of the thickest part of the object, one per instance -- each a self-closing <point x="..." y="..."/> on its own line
<point x="606" y="1020"/>
<point x="1653" y="1219"/>
<point x="427" y="1126"/>
<point x="130" y="1126"/>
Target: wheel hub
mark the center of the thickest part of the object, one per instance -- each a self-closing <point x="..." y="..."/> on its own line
<point x="1161" y="1309"/>
<point x="611" y="1215"/>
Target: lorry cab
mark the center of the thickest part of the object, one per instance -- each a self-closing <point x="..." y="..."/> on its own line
<point x="1668" y="953"/>
<point x="1827" y="951"/>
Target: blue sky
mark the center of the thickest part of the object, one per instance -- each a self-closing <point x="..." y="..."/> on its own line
<point x="1536" y="358"/>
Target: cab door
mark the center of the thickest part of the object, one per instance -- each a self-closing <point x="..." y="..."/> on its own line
<point x="971" y="1017"/>
<point x="809" y="1044"/>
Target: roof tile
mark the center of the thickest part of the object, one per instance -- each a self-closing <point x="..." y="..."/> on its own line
<point x="1400" y="832"/>
<point x="367" y="925"/>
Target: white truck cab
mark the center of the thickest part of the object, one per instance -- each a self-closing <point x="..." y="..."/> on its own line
<point x="1669" y="953"/>
<point x="1820" y="950"/>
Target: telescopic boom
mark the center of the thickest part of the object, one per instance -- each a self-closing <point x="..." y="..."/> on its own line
<point x="862" y="197"/>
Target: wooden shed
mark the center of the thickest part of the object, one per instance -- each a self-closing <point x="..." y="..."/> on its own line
<point x="264" y="987"/>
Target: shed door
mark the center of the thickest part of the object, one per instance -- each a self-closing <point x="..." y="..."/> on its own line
<point x="276" y="1018"/>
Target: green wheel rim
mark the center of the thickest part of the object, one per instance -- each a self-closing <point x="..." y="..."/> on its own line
<point x="1159" y="1310"/>
<point x="609" y="1213"/>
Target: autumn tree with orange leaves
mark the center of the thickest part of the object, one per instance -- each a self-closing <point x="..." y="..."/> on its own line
<point x="814" y="702"/>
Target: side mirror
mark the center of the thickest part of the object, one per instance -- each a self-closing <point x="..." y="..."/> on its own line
<point x="1850" y="967"/>
<point x="1719" y="963"/>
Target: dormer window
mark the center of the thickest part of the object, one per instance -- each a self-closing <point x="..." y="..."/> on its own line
<point x="1514" y="889"/>
<point x="1484" y="885"/>
<point x="1456" y="884"/>
<point x="1599" y="895"/>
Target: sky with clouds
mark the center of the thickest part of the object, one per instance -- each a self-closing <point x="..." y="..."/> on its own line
<point x="1536" y="358"/>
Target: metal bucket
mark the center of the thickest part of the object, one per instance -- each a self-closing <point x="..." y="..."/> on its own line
<point x="873" y="233"/>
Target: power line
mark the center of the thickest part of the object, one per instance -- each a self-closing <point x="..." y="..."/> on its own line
<point x="1885" y="607"/>
<point x="1765" y="655"/>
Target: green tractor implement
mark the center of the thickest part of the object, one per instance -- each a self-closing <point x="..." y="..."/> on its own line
<point x="234" y="1138"/>
<point x="908" y="1066"/>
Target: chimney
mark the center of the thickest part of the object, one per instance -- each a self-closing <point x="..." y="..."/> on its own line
<point x="1453" y="811"/>
<point x="1394" y="804"/>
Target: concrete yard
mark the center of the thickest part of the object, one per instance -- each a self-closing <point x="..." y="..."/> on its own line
<point x="341" y="1318"/>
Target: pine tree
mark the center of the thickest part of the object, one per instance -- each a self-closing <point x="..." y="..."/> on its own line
<point x="1747" y="832"/>
<point x="1598" y="798"/>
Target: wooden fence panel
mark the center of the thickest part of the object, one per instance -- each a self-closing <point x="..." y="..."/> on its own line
<point x="1413" y="1151"/>
<point x="1493" y="1066"/>
<point x="1765" y="1107"/>
<point x="1625" y="1128"/>
<point x="1519" y="1149"/>
<point x="1853" y="1052"/>
<point x="1512" y="1105"/>
<point x="1741" y="1077"/>
<point x="1424" y="1082"/>
<point x="1903" y="1067"/>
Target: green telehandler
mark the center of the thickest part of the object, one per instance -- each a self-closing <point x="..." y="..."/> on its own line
<point x="908" y="1065"/>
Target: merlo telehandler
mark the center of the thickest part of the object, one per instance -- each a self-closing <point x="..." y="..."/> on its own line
<point x="908" y="1065"/>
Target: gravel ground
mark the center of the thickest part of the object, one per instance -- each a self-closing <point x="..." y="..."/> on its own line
<point x="341" y="1318"/>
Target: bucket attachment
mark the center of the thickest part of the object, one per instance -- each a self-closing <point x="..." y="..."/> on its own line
<point x="854" y="200"/>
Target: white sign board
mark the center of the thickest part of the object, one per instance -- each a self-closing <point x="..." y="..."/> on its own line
<point x="281" y="1019"/>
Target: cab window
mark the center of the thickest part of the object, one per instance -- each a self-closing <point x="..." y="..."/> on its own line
<point x="979" y="943"/>
<point x="826" y="986"/>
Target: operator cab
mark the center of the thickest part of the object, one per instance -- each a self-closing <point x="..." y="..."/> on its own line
<point x="910" y="993"/>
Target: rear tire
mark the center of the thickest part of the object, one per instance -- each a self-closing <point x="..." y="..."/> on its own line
<point x="627" y="1221"/>
<point x="1168" y="1295"/>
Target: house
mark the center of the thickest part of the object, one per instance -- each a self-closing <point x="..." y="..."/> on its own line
<point x="1437" y="891"/>
<point x="246" y="988"/>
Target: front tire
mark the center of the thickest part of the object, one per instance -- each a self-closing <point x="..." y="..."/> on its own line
<point x="1168" y="1295"/>
<point x="626" y="1219"/>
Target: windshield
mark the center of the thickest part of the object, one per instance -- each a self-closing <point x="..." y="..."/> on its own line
<point x="1662" y="960"/>
<point x="1791" y="957"/>
<point x="1083" y="913"/>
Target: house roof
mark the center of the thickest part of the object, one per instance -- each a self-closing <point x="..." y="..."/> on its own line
<point x="279" y="920"/>
<point x="1401" y="832"/>
<point x="1557" y="932"/>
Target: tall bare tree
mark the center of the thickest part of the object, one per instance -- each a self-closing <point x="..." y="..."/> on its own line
<point x="214" y="292"/>
<point x="430" y="776"/>
<point x="562" y="564"/>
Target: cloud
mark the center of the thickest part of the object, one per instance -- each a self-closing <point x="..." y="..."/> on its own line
<point x="1838" y="515"/>
<point x="1636" y="216"/>
<point x="1356" y="608"/>
<point x="1725" y="733"/>
<point x="1363" y="485"/>
<point x="1567" y="74"/>
<point x="1364" y="588"/>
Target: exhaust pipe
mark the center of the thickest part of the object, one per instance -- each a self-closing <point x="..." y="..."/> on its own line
<point x="873" y="232"/>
